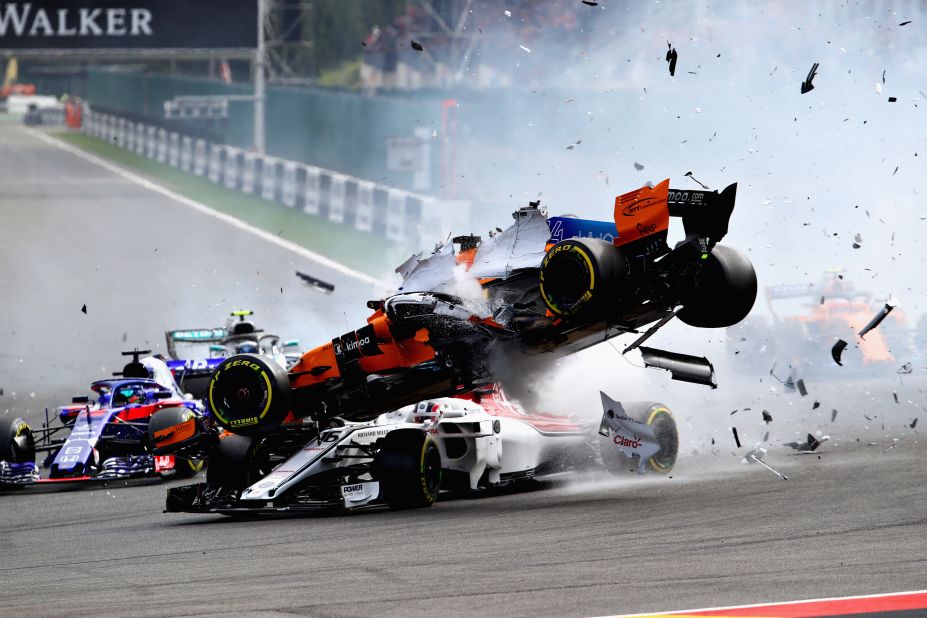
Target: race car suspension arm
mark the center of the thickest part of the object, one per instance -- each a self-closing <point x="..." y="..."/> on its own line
<point x="650" y="332"/>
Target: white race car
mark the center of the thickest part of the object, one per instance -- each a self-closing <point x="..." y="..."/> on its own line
<point x="404" y="458"/>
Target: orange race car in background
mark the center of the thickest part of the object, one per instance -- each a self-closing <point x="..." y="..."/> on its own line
<point x="801" y="334"/>
<point x="545" y="284"/>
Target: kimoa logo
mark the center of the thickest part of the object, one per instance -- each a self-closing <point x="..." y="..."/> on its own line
<point x="350" y="346"/>
<point x="632" y="209"/>
<point x="19" y="19"/>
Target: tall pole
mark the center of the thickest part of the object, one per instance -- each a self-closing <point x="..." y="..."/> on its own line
<point x="259" y="58"/>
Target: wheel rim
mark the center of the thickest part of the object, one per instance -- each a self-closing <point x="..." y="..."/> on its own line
<point x="664" y="428"/>
<point x="431" y="471"/>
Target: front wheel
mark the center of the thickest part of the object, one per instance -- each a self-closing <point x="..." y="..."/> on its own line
<point x="408" y="467"/>
<point x="17" y="444"/>
<point x="237" y="462"/>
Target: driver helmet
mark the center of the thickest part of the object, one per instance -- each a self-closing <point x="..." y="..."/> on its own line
<point x="128" y="395"/>
<point x="246" y="347"/>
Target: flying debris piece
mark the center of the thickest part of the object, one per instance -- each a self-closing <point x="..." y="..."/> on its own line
<point x="683" y="367"/>
<point x="734" y="412"/>
<point x="671" y="57"/>
<point x="318" y="284"/>
<point x="84" y="309"/>
<point x="837" y="351"/>
<point x="507" y="13"/>
<point x="833" y="415"/>
<point x="525" y="48"/>
<point x="912" y="425"/>
<point x="892" y="99"/>
<point x="906" y="369"/>
<point x="868" y="418"/>
<point x="767" y="417"/>
<point x="858" y="238"/>
<point x="816" y="405"/>
<point x="807" y="86"/>
<point x="883" y="76"/>
<point x="757" y="455"/>
<point x="905" y="23"/>
<point x="800" y="384"/>
<point x="809" y="445"/>
<point x="896" y="170"/>
<point x="874" y="322"/>
<point x="590" y="3"/>
<point x="704" y="186"/>
<point x="736" y="437"/>
<point x="895" y="395"/>
<point x="638" y="166"/>
<point x="416" y="45"/>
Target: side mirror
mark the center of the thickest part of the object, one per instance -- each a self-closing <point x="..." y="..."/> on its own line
<point x="161" y="395"/>
<point x="80" y="399"/>
<point x="292" y="343"/>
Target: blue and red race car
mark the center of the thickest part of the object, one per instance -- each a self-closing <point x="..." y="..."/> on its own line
<point x="107" y="438"/>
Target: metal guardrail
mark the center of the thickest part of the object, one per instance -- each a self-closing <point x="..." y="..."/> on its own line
<point x="383" y="211"/>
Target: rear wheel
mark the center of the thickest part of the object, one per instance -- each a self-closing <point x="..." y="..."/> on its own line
<point x="724" y="293"/>
<point x="17" y="444"/>
<point x="408" y="468"/>
<point x="659" y="417"/>
<point x="582" y="277"/>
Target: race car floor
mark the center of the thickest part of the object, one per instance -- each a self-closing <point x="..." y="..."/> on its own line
<point x="848" y="523"/>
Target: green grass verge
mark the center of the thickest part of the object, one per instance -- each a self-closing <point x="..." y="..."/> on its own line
<point x="351" y="247"/>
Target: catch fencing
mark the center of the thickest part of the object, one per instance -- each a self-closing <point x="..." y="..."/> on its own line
<point x="387" y="212"/>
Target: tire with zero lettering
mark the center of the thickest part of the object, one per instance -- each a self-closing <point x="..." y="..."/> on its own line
<point x="248" y="394"/>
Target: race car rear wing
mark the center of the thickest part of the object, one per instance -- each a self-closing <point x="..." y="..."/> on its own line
<point x="705" y="214"/>
<point x="194" y="335"/>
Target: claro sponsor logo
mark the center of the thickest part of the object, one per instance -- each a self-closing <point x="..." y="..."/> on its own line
<point x="621" y="440"/>
<point x="631" y="210"/>
<point x="25" y="19"/>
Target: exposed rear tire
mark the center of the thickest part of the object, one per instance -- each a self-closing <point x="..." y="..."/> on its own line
<point x="661" y="419"/>
<point x="408" y="467"/>
<point x="725" y="292"/>
<point x="249" y="394"/>
<point x="17" y="444"/>
<point x="582" y="277"/>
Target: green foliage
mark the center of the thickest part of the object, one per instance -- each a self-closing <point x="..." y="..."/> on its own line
<point x="336" y="28"/>
<point x="346" y="76"/>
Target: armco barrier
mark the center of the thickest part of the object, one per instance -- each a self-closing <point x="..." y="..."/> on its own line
<point x="363" y="205"/>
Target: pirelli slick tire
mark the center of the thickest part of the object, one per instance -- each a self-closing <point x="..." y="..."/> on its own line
<point x="408" y="467"/>
<point x="17" y="444"/>
<point x="248" y="394"/>
<point x="237" y="462"/>
<point x="582" y="277"/>
<point x="658" y="416"/>
<point x="725" y="292"/>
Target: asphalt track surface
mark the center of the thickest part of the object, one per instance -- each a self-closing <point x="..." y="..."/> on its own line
<point x="852" y="521"/>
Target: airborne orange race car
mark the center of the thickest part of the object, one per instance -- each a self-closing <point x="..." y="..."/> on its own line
<point x="546" y="285"/>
